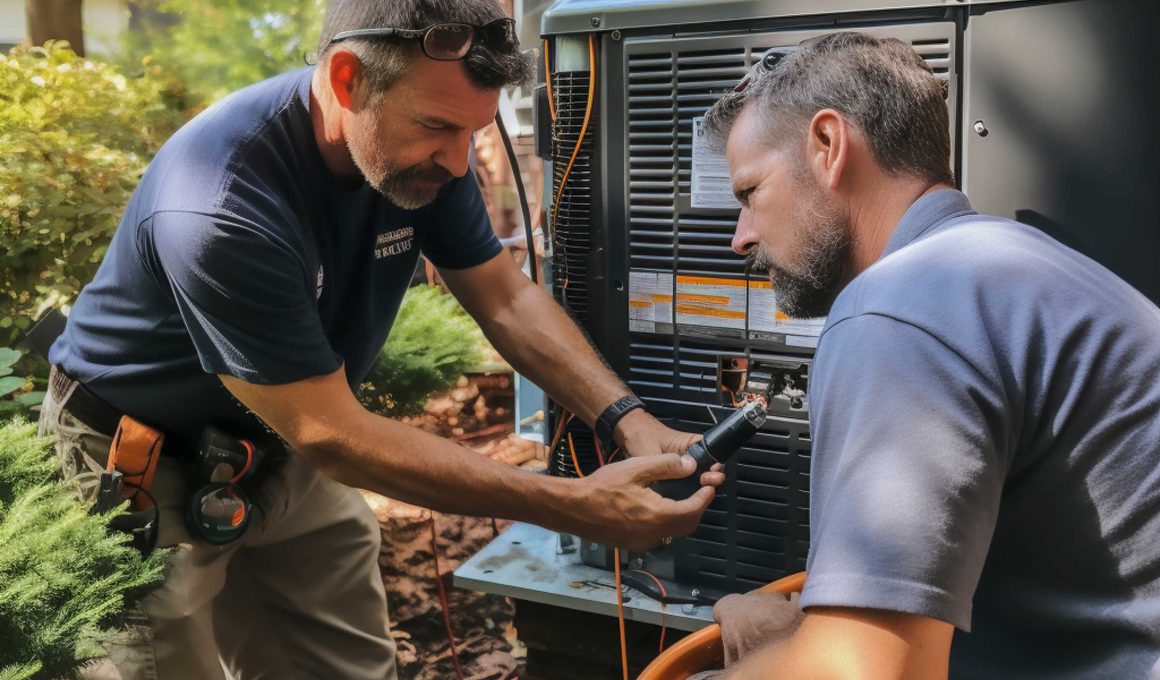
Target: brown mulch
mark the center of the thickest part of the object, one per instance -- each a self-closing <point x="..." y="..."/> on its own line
<point x="478" y="414"/>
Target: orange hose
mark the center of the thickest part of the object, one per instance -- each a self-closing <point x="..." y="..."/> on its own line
<point x="583" y="126"/>
<point x="703" y="650"/>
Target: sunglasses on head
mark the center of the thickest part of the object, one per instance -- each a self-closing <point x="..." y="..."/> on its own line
<point x="768" y="61"/>
<point x="449" y="41"/>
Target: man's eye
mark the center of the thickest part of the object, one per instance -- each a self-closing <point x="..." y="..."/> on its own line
<point x="743" y="196"/>
<point x="431" y="126"/>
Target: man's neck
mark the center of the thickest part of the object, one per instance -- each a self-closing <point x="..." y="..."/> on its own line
<point x="873" y="222"/>
<point x="327" y="135"/>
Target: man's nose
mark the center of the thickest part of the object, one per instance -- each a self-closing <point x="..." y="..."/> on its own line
<point x="745" y="238"/>
<point x="452" y="155"/>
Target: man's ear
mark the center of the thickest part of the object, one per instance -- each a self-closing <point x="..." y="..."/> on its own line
<point x="828" y="147"/>
<point x="345" y="73"/>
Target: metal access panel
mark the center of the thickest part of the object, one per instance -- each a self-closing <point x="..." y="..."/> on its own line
<point x="640" y="262"/>
<point x="1060" y="132"/>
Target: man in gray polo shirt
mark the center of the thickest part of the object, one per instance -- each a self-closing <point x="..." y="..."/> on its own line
<point x="985" y="401"/>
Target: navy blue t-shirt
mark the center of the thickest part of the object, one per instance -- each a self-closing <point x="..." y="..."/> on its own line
<point x="240" y="254"/>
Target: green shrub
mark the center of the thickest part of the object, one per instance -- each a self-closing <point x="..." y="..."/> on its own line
<point x="75" y="136"/>
<point x="64" y="576"/>
<point x="218" y="46"/>
<point x="433" y="342"/>
<point x="15" y="395"/>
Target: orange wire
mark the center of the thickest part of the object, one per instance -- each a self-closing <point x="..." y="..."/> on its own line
<point x="620" y="613"/>
<point x="575" y="461"/>
<point x="583" y="127"/>
<point x="664" y="594"/>
<point x="548" y="81"/>
<point x="599" y="454"/>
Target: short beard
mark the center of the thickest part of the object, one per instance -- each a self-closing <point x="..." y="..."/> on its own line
<point x="371" y="155"/>
<point x="807" y="287"/>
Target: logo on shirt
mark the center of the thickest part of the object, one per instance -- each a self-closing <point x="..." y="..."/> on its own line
<point x="318" y="284"/>
<point x="395" y="242"/>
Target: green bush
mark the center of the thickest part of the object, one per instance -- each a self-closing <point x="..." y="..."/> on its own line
<point x="218" y="46"/>
<point x="433" y="342"/>
<point x="15" y="395"/>
<point x="75" y="136"/>
<point x="64" y="576"/>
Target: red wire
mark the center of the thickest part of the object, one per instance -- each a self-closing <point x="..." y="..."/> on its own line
<point x="443" y="601"/>
<point x="661" y="588"/>
<point x="249" y="460"/>
<point x="599" y="455"/>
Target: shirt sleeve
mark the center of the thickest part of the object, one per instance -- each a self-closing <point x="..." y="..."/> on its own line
<point x="244" y="296"/>
<point x="909" y="460"/>
<point x="458" y="234"/>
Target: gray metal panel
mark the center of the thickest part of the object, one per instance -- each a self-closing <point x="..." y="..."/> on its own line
<point x="578" y="16"/>
<point x="1067" y="94"/>
<point x="522" y="563"/>
<point x="669" y="82"/>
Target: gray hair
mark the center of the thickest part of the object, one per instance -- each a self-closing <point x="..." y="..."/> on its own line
<point x="384" y="61"/>
<point x="881" y="85"/>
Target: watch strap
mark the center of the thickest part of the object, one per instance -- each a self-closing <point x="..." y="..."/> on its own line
<point x="608" y="419"/>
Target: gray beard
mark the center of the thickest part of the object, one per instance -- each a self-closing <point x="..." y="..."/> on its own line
<point x="809" y="286"/>
<point x="401" y="189"/>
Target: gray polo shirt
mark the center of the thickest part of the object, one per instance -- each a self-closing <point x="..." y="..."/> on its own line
<point x="986" y="423"/>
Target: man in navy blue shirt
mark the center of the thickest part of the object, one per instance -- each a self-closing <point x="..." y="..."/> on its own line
<point x="258" y="269"/>
<point x="985" y="483"/>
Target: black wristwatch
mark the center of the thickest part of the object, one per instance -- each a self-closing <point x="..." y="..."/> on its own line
<point x="606" y="422"/>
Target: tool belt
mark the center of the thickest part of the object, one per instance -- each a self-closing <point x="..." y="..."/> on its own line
<point x="136" y="450"/>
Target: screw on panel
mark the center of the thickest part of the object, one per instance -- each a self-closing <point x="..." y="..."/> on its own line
<point x="638" y="564"/>
<point x="616" y="35"/>
<point x="981" y="128"/>
<point x="595" y="21"/>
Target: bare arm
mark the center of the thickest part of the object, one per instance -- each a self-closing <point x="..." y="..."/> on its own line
<point x="837" y="643"/>
<point x="321" y="419"/>
<point x="540" y="341"/>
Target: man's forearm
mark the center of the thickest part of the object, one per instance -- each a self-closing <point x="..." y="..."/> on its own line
<point x="407" y="464"/>
<point x="541" y="342"/>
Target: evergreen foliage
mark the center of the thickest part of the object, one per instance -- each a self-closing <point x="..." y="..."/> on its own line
<point x="433" y="342"/>
<point x="64" y="575"/>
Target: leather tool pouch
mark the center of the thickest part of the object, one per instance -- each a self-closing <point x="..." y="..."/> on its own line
<point x="134" y="453"/>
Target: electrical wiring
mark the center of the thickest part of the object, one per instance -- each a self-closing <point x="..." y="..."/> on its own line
<point x="548" y="80"/>
<point x="664" y="594"/>
<point x="616" y="570"/>
<point x="620" y="613"/>
<point x="583" y="126"/>
<point x="599" y="453"/>
<point x="575" y="460"/>
<point x="443" y="601"/>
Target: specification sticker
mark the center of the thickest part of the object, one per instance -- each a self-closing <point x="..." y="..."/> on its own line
<point x="711" y="187"/>
<point x="711" y="306"/>
<point x="766" y="321"/>
<point x="650" y="302"/>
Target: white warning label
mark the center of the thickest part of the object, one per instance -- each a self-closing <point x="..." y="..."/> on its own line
<point x="711" y="305"/>
<point x="712" y="187"/>
<point x="766" y="319"/>
<point x="650" y="302"/>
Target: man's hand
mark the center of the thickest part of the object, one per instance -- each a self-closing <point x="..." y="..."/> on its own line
<point x="752" y="620"/>
<point x="640" y="434"/>
<point x="616" y="506"/>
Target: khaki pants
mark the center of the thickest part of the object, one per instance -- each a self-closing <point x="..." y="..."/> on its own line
<point x="298" y="596"/>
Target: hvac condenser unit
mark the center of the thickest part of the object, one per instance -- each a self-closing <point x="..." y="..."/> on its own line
<point x="1050" y="124"/>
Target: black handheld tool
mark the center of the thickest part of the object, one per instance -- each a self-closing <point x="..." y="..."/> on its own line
<point x="717" y="446"/>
